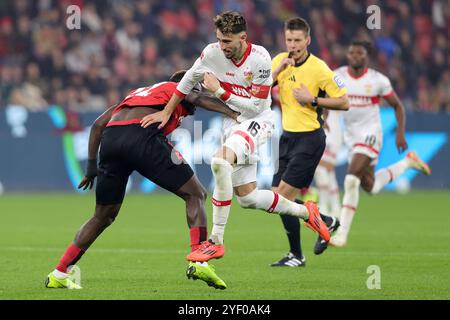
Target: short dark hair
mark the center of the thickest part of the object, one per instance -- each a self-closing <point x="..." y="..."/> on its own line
<point x="230" y="22"/>
<point x="297" y="23"/>
<point x="177" y="76"/>
<point x="363" y="43"/>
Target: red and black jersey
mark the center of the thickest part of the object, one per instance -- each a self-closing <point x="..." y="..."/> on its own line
<point x="156" y="96"/>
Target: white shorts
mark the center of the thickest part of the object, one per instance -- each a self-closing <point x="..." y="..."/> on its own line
<point x="334" y="137"/>
<point x="367" y="142"/>
<point x="244" y="139"/>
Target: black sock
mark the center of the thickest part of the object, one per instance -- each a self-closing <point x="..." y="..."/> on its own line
<point x="292" y="227"/>
<point x="327" y="219"/>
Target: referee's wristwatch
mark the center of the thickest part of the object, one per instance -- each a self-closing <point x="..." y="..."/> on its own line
<point x="315" y="102"/>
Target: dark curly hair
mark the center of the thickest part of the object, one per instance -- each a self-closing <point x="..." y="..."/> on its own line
<point x="230" y="22"/>
<point x="363" y="43"/>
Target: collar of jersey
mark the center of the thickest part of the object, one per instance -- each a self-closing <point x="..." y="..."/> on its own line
<point x="303" y="62"/>
<point x="246" y="54"/>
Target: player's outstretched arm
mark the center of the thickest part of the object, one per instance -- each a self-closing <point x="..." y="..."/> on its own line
<point x="95" y="136"/>
<point x="210" y="103"/>
<point x="184" y="87"/>
<point x="164" y="115"/>
<point x="395" y="102"/>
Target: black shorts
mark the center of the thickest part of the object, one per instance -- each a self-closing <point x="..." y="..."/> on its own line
<point x="127" y="148"/>
<point x="300" y="154"/>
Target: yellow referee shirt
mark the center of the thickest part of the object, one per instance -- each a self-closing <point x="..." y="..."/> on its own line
<point x="320" y="80"/>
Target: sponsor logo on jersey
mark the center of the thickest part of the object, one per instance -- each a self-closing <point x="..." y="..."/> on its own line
<point x="236" y="89"/>
<point x="339" y="82"/>
<point x="230" y="74"/>
<point x="264" y="74"/>
<point x="240" y="92"/>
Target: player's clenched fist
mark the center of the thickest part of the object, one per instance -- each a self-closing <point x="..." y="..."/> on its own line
<point x="160" y="116"/>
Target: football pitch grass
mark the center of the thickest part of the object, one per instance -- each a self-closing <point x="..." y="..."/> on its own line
<point x="142" y="255"/>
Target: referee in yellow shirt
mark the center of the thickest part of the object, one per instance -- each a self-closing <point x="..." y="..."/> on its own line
<point x="306" y="86"/>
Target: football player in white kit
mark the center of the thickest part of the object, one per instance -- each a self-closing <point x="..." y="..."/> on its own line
<point x="325" y="175"/>
<point x="363" y="134"/>
<point x="239" y="73"/>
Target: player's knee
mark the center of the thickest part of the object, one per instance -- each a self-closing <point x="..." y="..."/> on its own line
<point x="249" y="201"/>
<point x="351" y="182"/>
<point x="198" y="194"/>
<point x="109" y="221"/>
<point x="368" y="187"/>
<point x="107" y="215"/>
<point x="219" y="165"/>
<point x="111" y="218"/>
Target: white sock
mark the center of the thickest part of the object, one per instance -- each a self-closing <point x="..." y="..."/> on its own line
<point x="321" y="176"/>
<point x="273" y="202"/>
<point x="386" y="175"/>
<point x="349" y="203"/>
<point x="334" y="200"/>
<point x="223" y="192"/>
<point x="59" y="274"/>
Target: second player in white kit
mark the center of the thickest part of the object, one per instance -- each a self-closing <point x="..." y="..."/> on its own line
<point x="363" y="134"/>
<point x="363" y="131"/>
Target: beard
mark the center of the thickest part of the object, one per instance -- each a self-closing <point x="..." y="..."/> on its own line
<point x="228" y="54"/>
<point x="234" y="53"/>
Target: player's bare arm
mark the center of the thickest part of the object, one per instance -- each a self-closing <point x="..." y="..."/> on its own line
<point x="95" y="136"/>
<point x="211" y="104"/>
<point x="400" y="139"/>
<point x="303" y="96"/>
<point x="162" y="116"/>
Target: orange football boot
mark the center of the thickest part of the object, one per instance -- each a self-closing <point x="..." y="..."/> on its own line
<point x="315" y="222"/>
<point x="207" y="251"/>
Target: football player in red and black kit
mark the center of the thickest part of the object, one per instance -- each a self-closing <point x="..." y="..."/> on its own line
<point x="125" y="147"/>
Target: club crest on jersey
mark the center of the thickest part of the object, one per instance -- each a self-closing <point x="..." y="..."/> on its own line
<point x="255" y="90"/>
<point x="339" y="82"/>
<point x="248" y="75"/>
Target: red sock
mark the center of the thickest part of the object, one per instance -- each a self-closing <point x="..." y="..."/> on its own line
<point x="197" y="234"/>
<point x="70" y="257"/>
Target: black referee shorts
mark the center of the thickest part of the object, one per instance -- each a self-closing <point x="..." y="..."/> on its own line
<point x="300" y="154"/>
<point x="127" y="148"/>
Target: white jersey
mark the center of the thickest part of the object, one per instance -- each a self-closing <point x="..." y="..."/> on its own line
<point x="247" y="84"/>
<point x="362" y="121"/>
<point x="247" y="90"/>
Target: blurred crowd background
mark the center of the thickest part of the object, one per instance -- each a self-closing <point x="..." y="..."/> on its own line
<point x="128" y="44"/>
